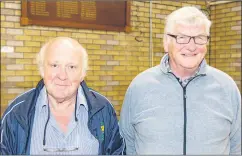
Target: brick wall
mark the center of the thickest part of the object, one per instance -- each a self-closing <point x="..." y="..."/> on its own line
<point x="225" y="43"/>
<point x="115" y="57"/>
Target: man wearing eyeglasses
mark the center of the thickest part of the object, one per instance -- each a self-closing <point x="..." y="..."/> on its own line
<point x="183" y="106"/>
<point x="61" y="116"/>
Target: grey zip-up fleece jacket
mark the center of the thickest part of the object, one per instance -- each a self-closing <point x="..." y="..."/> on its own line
<point x="160" y="116"/>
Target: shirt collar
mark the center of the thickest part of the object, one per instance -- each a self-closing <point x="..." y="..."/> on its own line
<point x="42" y="100"/>
<point x="81" y="99"/>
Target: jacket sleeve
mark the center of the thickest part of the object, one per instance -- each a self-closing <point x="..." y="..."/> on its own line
<point x="235" y="134"/>
<point x="126" y="127"/>
<point x="115" y="144"/>
<point x="7" y="139"/>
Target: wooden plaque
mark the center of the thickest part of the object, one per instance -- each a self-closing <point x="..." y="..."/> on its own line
<point x="98" y="15"/>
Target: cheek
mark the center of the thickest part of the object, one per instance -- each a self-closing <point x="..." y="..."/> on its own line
<point x="177" y="47"/>
<point x="49" y="76"/>
<point x="77" y="80"/>
<point x="202" y="49"/>
<point x="177" y="50"/>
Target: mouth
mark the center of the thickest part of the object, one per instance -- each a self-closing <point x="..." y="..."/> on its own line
<point x="189" y="55"/>
<point x="61" y="85"/>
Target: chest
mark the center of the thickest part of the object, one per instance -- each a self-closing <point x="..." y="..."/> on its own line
<point x="63" y="121"/>
<point x="159" y="115"/>
<point x="77" y="139"/>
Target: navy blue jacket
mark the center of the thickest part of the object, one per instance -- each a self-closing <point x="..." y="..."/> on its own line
<point x="17" y="123"/>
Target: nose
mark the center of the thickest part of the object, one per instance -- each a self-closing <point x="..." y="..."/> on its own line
<point x="62" y="73"/>
<point x="192" y="45"/>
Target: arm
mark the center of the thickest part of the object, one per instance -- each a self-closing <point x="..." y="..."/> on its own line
<point x="235" y="134"/>
<point x="115" y="144"/>
<point x="127" y="129"/>
<point x="6" y="140"/>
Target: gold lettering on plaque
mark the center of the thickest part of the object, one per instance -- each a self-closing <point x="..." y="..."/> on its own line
<point x="88" y="11"/>
<point x="66" y="9"/>
<point x="38" y="8"/>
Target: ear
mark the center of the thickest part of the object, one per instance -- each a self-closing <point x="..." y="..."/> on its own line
<point x="83" y="76"/>
<point x="41" y="70"/>
<point x="166" y="43"/>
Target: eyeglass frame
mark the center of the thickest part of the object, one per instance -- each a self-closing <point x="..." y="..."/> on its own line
<point x="190" y="37"/>
<point x="63" y="149"/>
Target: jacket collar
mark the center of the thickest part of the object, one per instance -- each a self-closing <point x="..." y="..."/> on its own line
<point x="163" y="67"/>
<point x="25" y="112"/>
<point x="93" y="104"/>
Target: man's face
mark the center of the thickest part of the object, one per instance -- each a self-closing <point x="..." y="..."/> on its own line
<point x="62" y="71"/>
<point x="186" y="56"/>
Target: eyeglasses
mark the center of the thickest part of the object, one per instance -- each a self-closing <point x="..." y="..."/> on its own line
<point x="63" y="149"/>
<point x="58" y="149"/>
<point x="183" y="39"/>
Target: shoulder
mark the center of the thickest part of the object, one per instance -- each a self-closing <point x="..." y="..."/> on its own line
<point x="228" y="87"/>
<point x="99" y="96"/>
<point x="146" y="78"/>
<point x="19" y="103"/>
<point x="146" y="83"/>
<point x="102" y="99"/>
<point x="220" y="77"/>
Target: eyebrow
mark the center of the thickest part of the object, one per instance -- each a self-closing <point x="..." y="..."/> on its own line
<point x="49" y="61"/>
<point x="74" y="64"/>
<point x="57" y="62"/>
<point x="192" y="36"/>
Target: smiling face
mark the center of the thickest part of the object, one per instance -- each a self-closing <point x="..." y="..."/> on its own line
<point x="62" y="70"/>
<point x="186" y="56"/>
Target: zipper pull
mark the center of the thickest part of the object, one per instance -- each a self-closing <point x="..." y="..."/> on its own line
<point x="185" y="93"/>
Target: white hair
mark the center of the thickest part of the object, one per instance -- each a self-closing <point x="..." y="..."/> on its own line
<point x="41" y="55"/>
<point x="188" y="15"/>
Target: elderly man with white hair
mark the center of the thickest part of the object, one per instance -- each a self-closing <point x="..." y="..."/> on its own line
<point x="183" y="106"/>
<point x="61" y="115"/>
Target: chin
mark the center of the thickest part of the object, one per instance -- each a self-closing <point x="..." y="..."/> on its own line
<point x="60" y="96"/>
<point x="191" y="67"/>
<point x="57" y="93"/>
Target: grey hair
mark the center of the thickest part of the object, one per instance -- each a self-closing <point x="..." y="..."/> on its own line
<point x="188" y="15"/>
<point x="41" y="55"/>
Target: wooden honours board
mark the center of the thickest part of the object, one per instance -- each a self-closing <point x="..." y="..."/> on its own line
<point x="98" y="15"/>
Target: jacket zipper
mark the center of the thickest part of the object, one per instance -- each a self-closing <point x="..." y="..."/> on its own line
<point x="185" y="111"/>
<point x="185" y="121"/>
